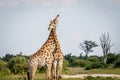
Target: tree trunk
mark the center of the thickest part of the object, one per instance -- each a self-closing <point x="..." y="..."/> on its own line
<point x="105" y="58"/>
<point x="86" y="54"/>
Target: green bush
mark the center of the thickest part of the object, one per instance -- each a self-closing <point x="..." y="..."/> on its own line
<point x="18" y="65"/>
<point x="117" y="63"/>
<point x="88" y="68"/>
<point x="7" y="57"/>
<point x="65" y="65"/>
<point x="5" y="71"/>
<point x="89" y="78"/>
<point x="83" y="63"/>
<point x="80" y="63"/>
<point x="111" y="58"/>
<point x="3" y="68"/>
<point x="100" y="78"/>
<point x="96" y="65"/>
<point x="93" y="59"/>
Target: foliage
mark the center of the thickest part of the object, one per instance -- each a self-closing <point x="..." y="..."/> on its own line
<point x="93" y="62"/>
<point x="93" y="59"/>
<point x="111" y="58"/>
<point x="117" y="61"/>
<point x="3" y="68"/>
<point x="69" y="58"/>
<point x="65" y="65"/>
<point x="87" y="46"/>
<point x="117" y="64"/>
<point x="7" y="57"/>
<point x="81" y="63"/>
<point x="100" y="78"/>
<point x="74" y="61"/>
<point x="96" y="65"/>
<point x="18" y="64"/>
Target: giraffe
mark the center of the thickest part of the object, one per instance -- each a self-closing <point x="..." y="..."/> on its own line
<point x="58" y="57"/>
<point x="44" y="56"/>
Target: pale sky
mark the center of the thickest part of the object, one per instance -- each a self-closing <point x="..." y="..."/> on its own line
<point x="24" y="24"/>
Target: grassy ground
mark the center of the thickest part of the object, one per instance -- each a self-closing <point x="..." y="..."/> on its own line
<point x="18" y="77"/>
<point x="37" y="77"/>
<point x="73" y="79"/>
<point x="72" y="71"/>
<point x="77" y="70"/>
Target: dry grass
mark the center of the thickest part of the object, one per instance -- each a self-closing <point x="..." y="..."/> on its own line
<point x="72" y="71"/>
<point x="78" y="70"/>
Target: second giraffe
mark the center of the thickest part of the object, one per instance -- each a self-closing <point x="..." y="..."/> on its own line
<point x="58" y="56"/>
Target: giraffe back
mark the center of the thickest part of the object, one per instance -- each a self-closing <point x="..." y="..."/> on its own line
<point x="44" y="55"/>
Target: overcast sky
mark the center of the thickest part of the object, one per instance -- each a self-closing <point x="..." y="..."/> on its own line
<point x="24" y="24"/>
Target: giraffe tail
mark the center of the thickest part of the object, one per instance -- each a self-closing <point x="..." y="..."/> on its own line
<point x="28" y="75"/>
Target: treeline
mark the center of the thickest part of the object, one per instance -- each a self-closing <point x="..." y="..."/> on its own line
<point x="17" y="64"/>
<point x="93" y="62"/>
<point x="13" y="64"/>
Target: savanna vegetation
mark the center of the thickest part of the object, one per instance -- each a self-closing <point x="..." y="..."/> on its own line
<point x="12" y="67"/>
<point x="17" y="64"/>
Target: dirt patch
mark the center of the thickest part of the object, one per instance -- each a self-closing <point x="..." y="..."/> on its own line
<point x="93" y="75"/>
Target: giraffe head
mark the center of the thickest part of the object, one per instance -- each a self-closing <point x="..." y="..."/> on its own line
<point x="53" y="23"/>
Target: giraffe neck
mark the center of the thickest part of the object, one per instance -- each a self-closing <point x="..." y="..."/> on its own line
<point x="50" y="41"/>
<point x="57" y="44"/>
<point x="51" y="35"/>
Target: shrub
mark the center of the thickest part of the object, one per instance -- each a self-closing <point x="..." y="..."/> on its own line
<point x="5" y="71"/>
<point x="111" y="58"/>
<point x="96" y="65"/>
<point x="83" y="63"/>
<point x="89" y="78"/>
<point x="93" y="59"/>
<point x="80" y="63"/>
<point x="18" y="65"/>
<point x="65" y="65"/>
<point x="88" y="68"/>
<point x="3" y="68"/>
<point x="100" y="78"/>
<point x="117" y="63"/>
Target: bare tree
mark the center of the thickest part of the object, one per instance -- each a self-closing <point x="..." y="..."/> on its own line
<point x="87" y="46"/>
<point x="105" y="43"/>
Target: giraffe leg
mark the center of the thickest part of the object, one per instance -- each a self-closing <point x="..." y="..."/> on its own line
<point x="48" y="71"/>
<point x="54" y="70"/>
<point x="31" y="72"/>
<point x="59" y="70"/>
